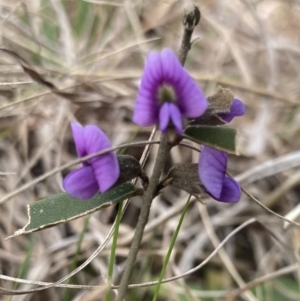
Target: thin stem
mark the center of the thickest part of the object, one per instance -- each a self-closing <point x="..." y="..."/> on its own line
<point x="162" y="155"/>
<point x="113" y="251"/>
<point x="162" y="273"/>
<point x="190" y="20"/>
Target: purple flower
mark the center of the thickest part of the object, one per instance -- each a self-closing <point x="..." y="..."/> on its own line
<point x="212" y="171"/>
<point x="213" y="163"/>
<point x="97" y="174"/>
<point x="237" y="108"/>
<point x="167" y="93"/>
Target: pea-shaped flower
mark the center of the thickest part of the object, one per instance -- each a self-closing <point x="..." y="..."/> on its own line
<point x="97" y="174"/>
<point x="237" y="108"/>
<point x="213" y="163"/>
<point x="167" y="94"/>
<point x="212" y="171"/>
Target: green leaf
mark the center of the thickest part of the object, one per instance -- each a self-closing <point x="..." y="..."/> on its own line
<point x="62" y="208"/>
<point x="219" y="137"/>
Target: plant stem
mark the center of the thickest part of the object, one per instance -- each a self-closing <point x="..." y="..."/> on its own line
<point x="190" y="20"/>
<point x="162" y="155"/>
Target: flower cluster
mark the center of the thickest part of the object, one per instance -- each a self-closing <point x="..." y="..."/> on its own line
<point x="167" y="96"/>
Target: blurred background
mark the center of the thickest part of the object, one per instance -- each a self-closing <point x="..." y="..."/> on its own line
<point x="96" y="50"/>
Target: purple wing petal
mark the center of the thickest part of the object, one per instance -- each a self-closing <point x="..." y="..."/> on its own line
<point x="78" y="135"/>
<point x="237" y="109"/>
<point x="152" y="74"/>
<point x="191" y="99"/>
<point x="106" y="170"/>
<point x="231" y="192"/>
<point x="171" y="67"/>
<point x="176" y="118"/>
<point x="106" y="167"/>
<point x="147" y="108"/>
<point x="186" y="89"/>
<point x="211" y="169"/>
<point x="81" y="183"/>
<point x="164" y="117"/>
<point x="95" y="139"/>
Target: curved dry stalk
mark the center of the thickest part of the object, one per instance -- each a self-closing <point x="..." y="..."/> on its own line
<point x="269" y="210"/>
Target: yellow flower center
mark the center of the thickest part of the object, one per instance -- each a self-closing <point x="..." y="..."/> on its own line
<point x="166" y="93"/>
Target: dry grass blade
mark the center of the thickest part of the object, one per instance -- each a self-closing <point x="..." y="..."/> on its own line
<point x="269" y="210"/>
<point x="37" y="77"/>
<point x="82" y="61"/>
<point x="270" y="168"/>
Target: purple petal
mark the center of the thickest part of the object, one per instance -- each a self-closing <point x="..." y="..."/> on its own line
<point x="237" y="109"/>
<point x="106" y="167"/>
<point x="147" y="108"/>
<point x="164" y="117"/>
<point x="191" y="99"/>
<point x="176" y="118"/>
<point x="95" y="139"/>
<point x="231" y="192"/>
<point x="152" y="74"/>
<point x="170" y="112"/>
<point x="211" y="169"/>
<point x="107" y="171"/>
<point x="166" y="69"/>
<point x="81" y="183"/>
<point x="78" y="135"/>
<point x="171" y="67"/>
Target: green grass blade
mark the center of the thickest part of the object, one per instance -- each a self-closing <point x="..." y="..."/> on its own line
<point x="75" y="257"/>
<point x="162" y="273"/>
